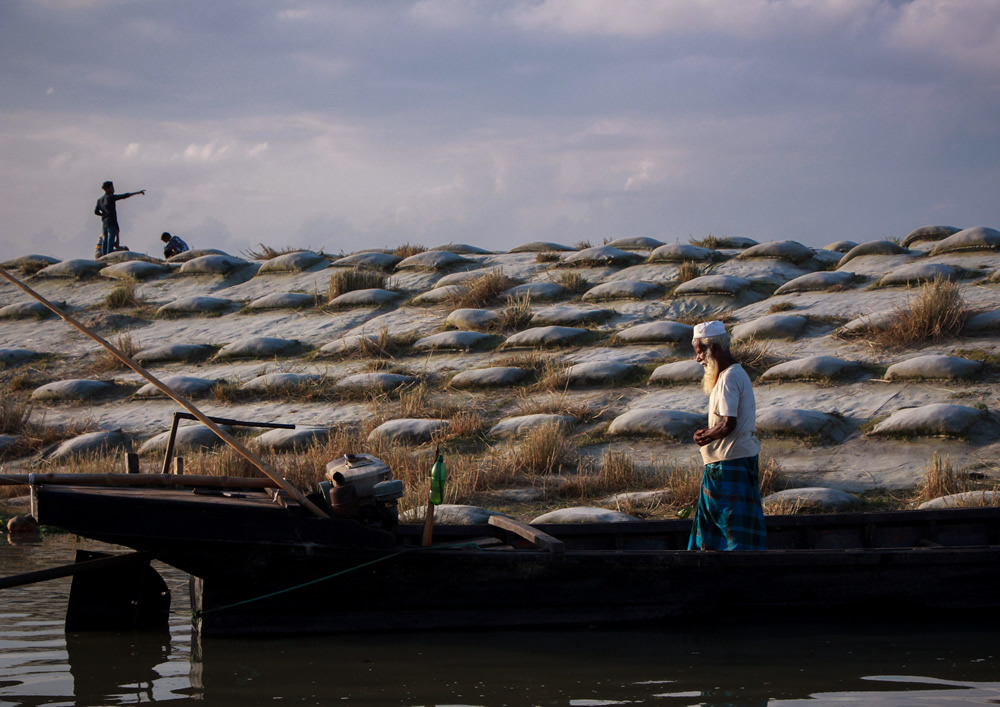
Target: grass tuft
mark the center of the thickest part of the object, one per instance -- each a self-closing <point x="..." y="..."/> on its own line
<point x="544" y="450"/>
<point x="484" y="290"/>
<point x="263" y="252"/>
<point x="754" y="355"/>
<point x="352" y="279"/>
<point x="708" y="241"/>
<point x="935" y="313"/>
<point x="689" y="270"/>
<point x="574" y="282"/>
<point x="517" y="314"/>
<point x="407" y="249"/>
<point x="106" y="362"/>
<point x="31" y="266"/>
<point x="123" y="294"/>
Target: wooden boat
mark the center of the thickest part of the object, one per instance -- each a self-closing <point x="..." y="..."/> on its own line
<point x="261" y="563"/>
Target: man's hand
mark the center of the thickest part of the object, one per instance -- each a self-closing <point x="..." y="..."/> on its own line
<point x="723" y="428"/>
<point x="142" y="192"/>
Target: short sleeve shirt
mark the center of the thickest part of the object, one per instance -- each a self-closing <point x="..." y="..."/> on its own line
<point x="732" y="396"/>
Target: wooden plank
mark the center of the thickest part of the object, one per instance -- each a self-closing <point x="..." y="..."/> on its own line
<point x="533" y="535"/>
<point x="151" y="480"/>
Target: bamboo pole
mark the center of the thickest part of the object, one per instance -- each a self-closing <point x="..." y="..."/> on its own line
<point x="240" y="448"/>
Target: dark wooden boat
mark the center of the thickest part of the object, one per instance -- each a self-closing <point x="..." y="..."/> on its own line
<point x="261" y="563"/>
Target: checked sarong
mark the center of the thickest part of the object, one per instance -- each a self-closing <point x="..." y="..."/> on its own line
<point x="729" y="514"/>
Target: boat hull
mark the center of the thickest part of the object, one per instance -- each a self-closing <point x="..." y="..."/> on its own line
<point x="261" y="566"/>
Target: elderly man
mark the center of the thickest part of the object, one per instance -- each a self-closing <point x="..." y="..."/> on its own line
<point x="729" y="514"/>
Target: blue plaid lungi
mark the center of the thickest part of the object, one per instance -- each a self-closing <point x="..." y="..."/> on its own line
<point x="729" y="514"/>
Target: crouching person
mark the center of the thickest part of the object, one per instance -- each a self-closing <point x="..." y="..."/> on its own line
<point x="729" y="515"/>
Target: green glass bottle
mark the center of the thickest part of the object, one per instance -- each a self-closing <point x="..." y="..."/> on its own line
<point x="438" y="476"/>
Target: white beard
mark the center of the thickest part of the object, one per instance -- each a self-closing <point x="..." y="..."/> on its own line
<point x="711" y="376"/>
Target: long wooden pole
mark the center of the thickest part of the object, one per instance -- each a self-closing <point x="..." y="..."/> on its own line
<point x="240" y="448"/>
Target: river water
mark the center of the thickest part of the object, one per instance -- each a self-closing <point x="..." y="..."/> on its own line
<point x="917" y="660"/>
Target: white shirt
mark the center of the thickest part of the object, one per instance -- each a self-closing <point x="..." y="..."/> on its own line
<point x="732" y="396"/>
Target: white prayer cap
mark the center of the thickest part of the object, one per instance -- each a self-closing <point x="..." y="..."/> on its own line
<point x="706" y="329"/>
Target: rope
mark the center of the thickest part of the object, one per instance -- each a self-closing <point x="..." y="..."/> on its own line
<point x="197" y="614"/>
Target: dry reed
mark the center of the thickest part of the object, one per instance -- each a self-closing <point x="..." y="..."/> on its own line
<point x="936" y="312"/>
<point x="352" y="279"/>
<point x="689" y="270"/>
<point x="123" y="294"/>
<point x="484" y="290"/>
<point x="407" y="249"/>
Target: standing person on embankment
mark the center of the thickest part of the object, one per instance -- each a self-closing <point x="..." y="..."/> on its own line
<point x="729" y="515"/>
<point x="109" y="216"/>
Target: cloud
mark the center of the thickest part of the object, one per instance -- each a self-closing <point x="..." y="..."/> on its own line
<point x="257" y="150"/>
<point x="753" y="19"/>
<point x="205" y="153"/>
<point x="965" y="34"/>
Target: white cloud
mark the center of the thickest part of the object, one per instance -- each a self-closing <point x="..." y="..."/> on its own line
<point x="754" y="19"/>
<point x="257" y="150"/>
<point x="963" y="33"/>
<point x="131" y="150"/>
<point x="205" y="153"/>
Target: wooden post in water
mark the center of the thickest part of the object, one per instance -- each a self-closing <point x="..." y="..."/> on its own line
<point x="240" y="448"/>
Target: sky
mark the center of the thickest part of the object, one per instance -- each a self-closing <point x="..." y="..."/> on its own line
<point x="344" y="126"/>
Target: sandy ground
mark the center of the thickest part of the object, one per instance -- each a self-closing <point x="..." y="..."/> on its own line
<point x="858" y="463"/>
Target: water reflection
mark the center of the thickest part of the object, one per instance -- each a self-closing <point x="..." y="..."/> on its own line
<point x="755" y="663"/>
<point x="750" y="664"/>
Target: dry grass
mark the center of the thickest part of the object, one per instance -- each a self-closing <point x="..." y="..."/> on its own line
<point x="936" y="312"/>
<point x="124" y="294"/>
<point x="573" y="281"/>
<point x="263" y="252"/>
<point x="408" y="249"/>
<point x="517" y="314"/>
<point x="772" y="479"/>
<point x="780" y="307"/>
<point x="352" y="279"/>
<point x="755" y="355"/>
<point x="617" y="473"/>
<point x="414" y="401"/>
<point x="544" y="450"/>
<point x="547" y="257"/>
<point x="22" y="381"/>
<point x="34" y="435"/>
<point x="553" y="376"/>
<point x="708" y="241"/>
<point x="484" y="290"/>
<point x="562" y="403"/>
<point x="105" y="362"/>
<point x="381" y="347"/>
<point x="31" y="266"/>
<point x="14" y="415"/>
<point x="689" y="270"/>
<point x="940" y="479"/>
<point x="787" y="507"/>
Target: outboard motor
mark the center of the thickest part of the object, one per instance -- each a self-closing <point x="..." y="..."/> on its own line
<point x="363" y="489"/>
